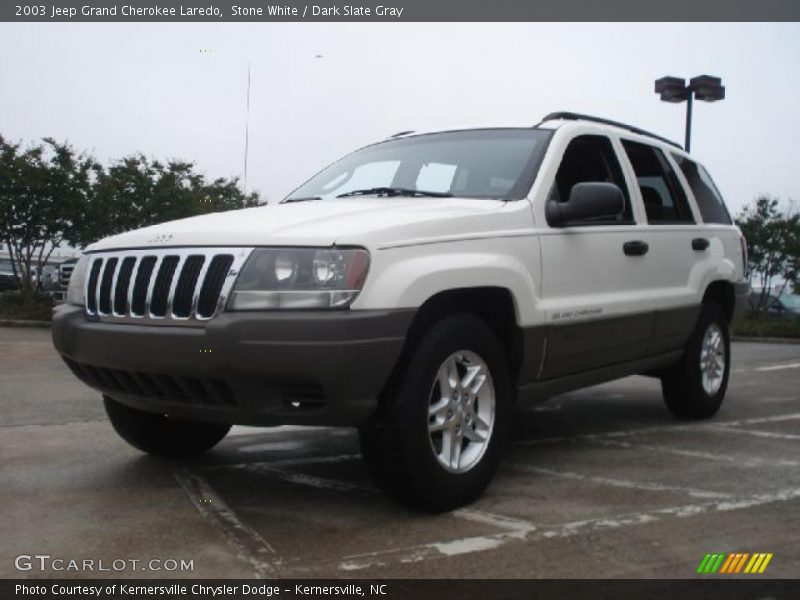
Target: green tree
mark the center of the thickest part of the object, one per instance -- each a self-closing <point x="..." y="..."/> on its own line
<point x="136" y="192"/>
<point x="50" y="194"/>
<point x="773" y="241"/>
<point x="42" y="190"/>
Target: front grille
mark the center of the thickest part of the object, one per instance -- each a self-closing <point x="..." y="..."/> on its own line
<point x="168" y="388"/>
<point x="165" y="286"/>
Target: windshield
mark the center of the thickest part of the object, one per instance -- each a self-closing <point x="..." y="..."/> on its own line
<point x="480" y="163"/>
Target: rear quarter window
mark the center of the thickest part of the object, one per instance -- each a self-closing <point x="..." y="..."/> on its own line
<point x="709" y="201"/>
<point x="662" y="194"/>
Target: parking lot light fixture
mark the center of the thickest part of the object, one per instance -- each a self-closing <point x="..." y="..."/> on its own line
<point x="703" y="87"/>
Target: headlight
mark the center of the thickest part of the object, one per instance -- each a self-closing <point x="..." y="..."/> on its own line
<point x="77" y="280"/>
<point x="300" y="278"/>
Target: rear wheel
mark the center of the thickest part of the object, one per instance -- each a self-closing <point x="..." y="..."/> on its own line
<point x="437" y="442"/>
<point x="695" y="388"/>
<point x="161" y="435"/>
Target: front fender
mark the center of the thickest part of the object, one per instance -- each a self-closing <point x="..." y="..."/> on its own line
<point x="407" y="277"/>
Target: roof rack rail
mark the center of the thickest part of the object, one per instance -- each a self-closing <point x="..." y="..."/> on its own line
<point x="401" y="134"/>
<point x="571" y="116"/>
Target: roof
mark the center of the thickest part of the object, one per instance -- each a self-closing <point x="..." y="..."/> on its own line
<point x="548" y="123"/>
<point x="571" y="116"/>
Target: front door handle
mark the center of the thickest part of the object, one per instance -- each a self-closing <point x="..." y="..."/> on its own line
<point x="635" y="248"/>
<point x="700" y="244"/>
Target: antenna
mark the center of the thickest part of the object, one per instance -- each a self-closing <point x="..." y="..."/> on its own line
<point x="246" y="130"/>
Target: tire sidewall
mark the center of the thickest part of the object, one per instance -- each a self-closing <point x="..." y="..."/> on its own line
<point x="710" y="314"/>
<point x="159" y="435"/>
<point x="452" y="334"/>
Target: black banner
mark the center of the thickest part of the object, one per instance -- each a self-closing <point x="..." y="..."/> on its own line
<point x="398" y="10"/>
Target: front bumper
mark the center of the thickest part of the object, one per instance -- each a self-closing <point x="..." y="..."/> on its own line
<point x="248" y="368"/>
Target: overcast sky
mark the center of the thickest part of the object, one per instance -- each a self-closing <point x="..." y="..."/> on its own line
<point x="115" y="89"/>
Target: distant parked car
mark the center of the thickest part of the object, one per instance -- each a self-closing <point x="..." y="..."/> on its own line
<point x="8" y="281"/>
<point x="785" y="305"/>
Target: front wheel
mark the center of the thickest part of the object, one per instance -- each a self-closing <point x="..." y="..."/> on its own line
<point x="161" y="435"/>
<point x="437" y="442"/>
<point x="695" y="387"/>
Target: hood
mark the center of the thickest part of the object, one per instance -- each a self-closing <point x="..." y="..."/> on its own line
<point x="358" y="221"/>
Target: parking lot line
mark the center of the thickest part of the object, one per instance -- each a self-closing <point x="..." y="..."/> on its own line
<point x="495" y="520"/>
<point x="437" y="550"/>
<point x="287" y="462"/>
<point x="623" y="483"/>
<point x="271" y="446"/>
<point x="250" y="546"/>
<point x="246" y="430"/>
<point x="749" y="461"/>
<point x="795" y="365"/>
<point x="758" y="420"/>
<point x="755" y="432"/>
<point x="661" y="429"/>
<point x="326" y="483"/>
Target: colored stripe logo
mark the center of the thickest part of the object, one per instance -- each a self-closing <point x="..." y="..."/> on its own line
<point x="735" y="562"/>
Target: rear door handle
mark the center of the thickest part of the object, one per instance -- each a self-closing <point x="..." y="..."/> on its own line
<point x="700" y="244"/>
<point x="635" y="248"/>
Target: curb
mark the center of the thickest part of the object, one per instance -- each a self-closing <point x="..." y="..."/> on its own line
<point x="765" y="340"/>
<point x="24" y="323"/>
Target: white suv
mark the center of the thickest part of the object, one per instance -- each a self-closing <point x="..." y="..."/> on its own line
<point x="418" y="289"/>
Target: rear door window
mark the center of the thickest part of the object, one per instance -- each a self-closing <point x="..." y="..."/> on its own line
<point x="708" y="198"/>
<point x="663" y="196"/>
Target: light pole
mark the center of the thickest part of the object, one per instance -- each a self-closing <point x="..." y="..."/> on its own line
<point x="246" y="130"/>
<point x="702" y="87"/>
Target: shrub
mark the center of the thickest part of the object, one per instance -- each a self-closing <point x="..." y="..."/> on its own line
<point x="17" y="305"/>
<point x="761" y="326"/>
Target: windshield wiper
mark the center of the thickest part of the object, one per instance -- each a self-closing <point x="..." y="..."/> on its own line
<point x="395" y="191"/>
<point x="301" y="199"/>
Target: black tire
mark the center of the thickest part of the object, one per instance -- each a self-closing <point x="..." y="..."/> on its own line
<point x="161" y="435"/>
<point x="396" y="444"/>
<point x="682" y="385"/>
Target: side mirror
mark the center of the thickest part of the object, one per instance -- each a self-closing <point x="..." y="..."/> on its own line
<point x="590" y="201"/>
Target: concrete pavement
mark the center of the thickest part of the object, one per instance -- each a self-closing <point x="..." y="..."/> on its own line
<point x="598" y="483"/>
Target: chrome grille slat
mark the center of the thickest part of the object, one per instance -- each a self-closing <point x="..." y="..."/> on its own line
<point x="186" y="284"/>
<point x="208" y="291"/>
<point x="112" y="294"/>
<point x="176" y="275"/>
<point x="134" y="275"/>
<point x="141" y="285"/>
<point x="212" y="294"/>
<point x="122" y="285"/>
<point x="92" y="284"/>
<point x="98" y="281"/>
<point x="199" y="285"/>
<point x="163" y="282"/>
<point x="106" y="286"/>
<point x="148" y="299"/>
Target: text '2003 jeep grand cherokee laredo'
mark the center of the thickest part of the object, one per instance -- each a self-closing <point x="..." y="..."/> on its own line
<point x="417" y="288"/>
